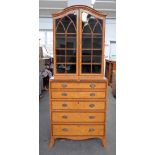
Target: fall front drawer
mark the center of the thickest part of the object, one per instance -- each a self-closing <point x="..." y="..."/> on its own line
<point x="78" y="130"/>
<point x="64" y="105"/>
<point x="78" y="85"/>
<point x="77" y="117"/>
<point x="73" y="95"/>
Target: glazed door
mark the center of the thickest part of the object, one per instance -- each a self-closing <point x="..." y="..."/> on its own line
<point x="65" y="44"/>
<point x="91" y="49"/>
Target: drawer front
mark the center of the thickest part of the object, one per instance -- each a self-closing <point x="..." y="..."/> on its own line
<point x="78" y="85"/>
<point x="58" y="105"/>
<point x="78" y="130"/>
<point x="78" y="117"/>
<point x="72" y="95"/>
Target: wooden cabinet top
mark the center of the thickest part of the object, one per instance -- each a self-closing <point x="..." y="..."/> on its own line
<point x="77" y="7"/>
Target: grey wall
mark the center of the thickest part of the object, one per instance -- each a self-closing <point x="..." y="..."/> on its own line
<point x="77" y="2"/>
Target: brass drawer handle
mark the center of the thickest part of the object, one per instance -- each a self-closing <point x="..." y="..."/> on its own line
<point x="92" y="105"/>
<point x="91" y="117"/>
<point x="64" y="105"/>
<point x="64" y="85"/>
<point x="64" y="116"/>
<point x="91" y="129"/>
<point x="92" y="94"/>
<point x="64" y="129"/>
<point x="92" y="85"/>
<point x="64" y="94"/>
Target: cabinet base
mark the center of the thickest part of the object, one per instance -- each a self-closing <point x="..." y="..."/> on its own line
<point x="52" y="140"/>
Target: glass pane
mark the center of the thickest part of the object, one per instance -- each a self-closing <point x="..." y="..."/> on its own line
<point x="86" y="52"/>
<point x="92" y="21"/>
<point x="68" y="24"/>
<point x="60" y="59"/>
<point x="67" y="41"/>
<point x="86" y="68"/>
<point x="96" y="68"/>
<point x="91" y="44"/>
<point x="70" y="68"/>
<point x="57" y="21"/>
<point x="97" y="59"/>
<point x="86" y="29"/>
<point x="60" y="36"/>
<point x="71" y="29"/>
<point x="71" y="35"/>
<point x="71" y="43"/>
<point x="73" y="17"/>
<point x="86" y="58"/>
<point x="60" y="41"/>
<point x="60" y="28"/>
<point x="71" y="52"/>
<point x="97" y="43"/>
<point x="97" y="28"/>
<point x="97" y="52"/>
<point x="60" y="52"/>
<point x="91" y="24"/>
<point x="86" y="41"/>
<point x="71" y="59"/>
<point x="65" y="21"/>
<point x="60" y="68"/>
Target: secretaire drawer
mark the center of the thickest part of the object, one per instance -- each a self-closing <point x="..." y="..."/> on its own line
<point x="73" y="95"/>
<point x="78" y="85"/>
<point x="64" y="105"/>
<point x="78" y="130"/>
<point x="77" y="117"/>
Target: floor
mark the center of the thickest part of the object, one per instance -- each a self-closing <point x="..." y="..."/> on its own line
<point x="70" y="147"/>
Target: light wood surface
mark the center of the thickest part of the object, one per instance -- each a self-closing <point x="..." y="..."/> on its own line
<point x="78" y="130"/>
<point x="74" y="95"/>
<point x="77" y="117"/>
<point x="110" y="67"/>
<point x="78" y="85"/>
<point x="70" y="105"/>
<point x="78" y="100"/>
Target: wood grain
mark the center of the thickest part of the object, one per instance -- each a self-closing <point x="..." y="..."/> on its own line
<point x="74" y="95"/>
<point x="77" y="117"/>
<point x="78" y="85"/>
<point x="75" y="105"/>
<point x="78" y="101"/>
<point x="78" y="130"/>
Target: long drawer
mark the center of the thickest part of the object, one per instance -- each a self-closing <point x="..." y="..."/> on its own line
<point x="72" y="105"/>
<point x="78" y="130"/>
<point x="86" y="85"/>
<point x="77" y="117"/>
<point x="73" y="95"/>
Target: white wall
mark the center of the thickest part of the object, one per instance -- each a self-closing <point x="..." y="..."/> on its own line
<point x="110" y="35"/>
<point x="45" y="24"/>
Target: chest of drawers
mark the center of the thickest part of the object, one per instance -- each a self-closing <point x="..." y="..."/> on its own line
<point x="78" y="109"/>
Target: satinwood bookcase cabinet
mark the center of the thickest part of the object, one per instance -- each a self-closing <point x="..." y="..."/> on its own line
<point x="78" y="90"/>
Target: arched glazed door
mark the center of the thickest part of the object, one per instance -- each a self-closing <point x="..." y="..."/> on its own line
<point x="66" y="44"/>
<point x="78" y="42"/>
<point x="92" y="40"/>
